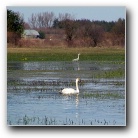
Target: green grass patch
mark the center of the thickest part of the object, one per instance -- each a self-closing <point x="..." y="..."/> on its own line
<point x="111" y="74"/>
<point x="65" y="54"/>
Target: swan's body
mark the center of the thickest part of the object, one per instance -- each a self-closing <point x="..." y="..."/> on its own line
<point x="77" y="59"/>
<point x="71" y="90"/>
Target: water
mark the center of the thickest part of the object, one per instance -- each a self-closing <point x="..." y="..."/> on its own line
<point x="33" y="94"/>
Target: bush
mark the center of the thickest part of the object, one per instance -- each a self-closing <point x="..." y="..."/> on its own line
<point x="41" y="35"/>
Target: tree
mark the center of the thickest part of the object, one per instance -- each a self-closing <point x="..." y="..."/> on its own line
<point x="66" y="16"/>
<point x="70" y="31"/>
<point x="32" y="21"/>
<point x="15" y="27"/>
<point x="118" y="32"/>
<point x="119" y="27"/>
<point x="41" y="20"/>
<point x="94" y="32"/>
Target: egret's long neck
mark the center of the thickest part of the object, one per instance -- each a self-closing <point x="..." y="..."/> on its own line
<point x="78" y="56"/>
<point x="77" y="88"/>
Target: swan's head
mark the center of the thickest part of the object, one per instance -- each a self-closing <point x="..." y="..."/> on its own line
<point x="79" y="54"/>
<point x="78" y="79"/>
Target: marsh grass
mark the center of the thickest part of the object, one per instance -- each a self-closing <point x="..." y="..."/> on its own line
<point x="111" y="74"/>
<point x="106" y="95"/>
<point x="50" y="121"/>
<point x="65" y="54"/>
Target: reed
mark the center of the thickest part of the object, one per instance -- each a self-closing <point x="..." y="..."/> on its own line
<point x="49" y="121"/>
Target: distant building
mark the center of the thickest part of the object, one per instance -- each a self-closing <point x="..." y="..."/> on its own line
<point x="30" y="34"/>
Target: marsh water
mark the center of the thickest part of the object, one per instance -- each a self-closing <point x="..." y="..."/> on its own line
<point x="33" y="96"/>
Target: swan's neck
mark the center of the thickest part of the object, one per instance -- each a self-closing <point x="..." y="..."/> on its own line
<point x="77" y="88"/>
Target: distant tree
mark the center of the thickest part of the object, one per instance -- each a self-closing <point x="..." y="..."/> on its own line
<point x="66" y="16"/>
<point x="41" y="20"/>
<point x="107" y="26"/>
<point x="59" y="22"/>
<point x="15" y="22"/>
<point x="119" y="27"/>
<point x="94" y="32"/>
<point x="118" y="32"/>
<point x="32" y="21"/>
<point x="15" y="27"/>
<point x="70" y="31"/>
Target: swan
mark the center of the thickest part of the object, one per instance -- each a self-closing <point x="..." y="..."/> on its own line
<point x="76" y="58"/>
<point x="71" y="90"/>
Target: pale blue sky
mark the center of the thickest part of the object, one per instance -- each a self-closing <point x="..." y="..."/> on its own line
<point x="107" y="13"/>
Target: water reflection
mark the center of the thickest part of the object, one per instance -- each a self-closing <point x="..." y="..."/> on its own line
<point x="74" y="100"/>
<point x="52" y="66"/>
<point x="71" y="105"/>
<point x="77" y="100"/>
<point x="15" y="66"/>
<point x="78" y="66"/>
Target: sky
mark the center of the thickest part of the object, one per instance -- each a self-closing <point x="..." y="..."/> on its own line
<point x="106" y="13"/>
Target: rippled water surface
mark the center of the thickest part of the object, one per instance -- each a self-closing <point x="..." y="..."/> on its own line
<point x="33" y="96"/>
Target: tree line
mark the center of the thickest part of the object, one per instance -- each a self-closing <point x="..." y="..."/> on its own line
<point x="75" y="32"/>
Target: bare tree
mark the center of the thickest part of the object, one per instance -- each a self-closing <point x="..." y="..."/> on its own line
<point x="94" y="32"/>
<point x="48" y="19"/>
<point x="33" y="21"/>
<point x="41" y="20"/>
<point x="66" y="16"/>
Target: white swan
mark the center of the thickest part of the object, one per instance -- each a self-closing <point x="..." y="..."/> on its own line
<point x="71" y="90"/>
<point x="76" y="58"/>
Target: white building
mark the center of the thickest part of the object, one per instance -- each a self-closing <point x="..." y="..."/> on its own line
<point x="30" y="34"/>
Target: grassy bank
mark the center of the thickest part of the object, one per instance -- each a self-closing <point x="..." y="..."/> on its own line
<point x="65" y="54"/>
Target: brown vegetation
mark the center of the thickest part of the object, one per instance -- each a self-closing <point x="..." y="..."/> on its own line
<point x="66" y="31"/>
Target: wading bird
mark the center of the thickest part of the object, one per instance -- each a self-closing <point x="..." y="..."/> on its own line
<point x="71" y="90"/>
<point x="76" y="58"/>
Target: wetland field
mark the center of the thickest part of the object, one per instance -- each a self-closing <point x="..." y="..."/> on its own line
<point x="35" y="78"/>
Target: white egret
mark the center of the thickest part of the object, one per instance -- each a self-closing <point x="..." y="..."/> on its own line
<point x="76" y="58"/>
<point x="71" y="90"/>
